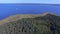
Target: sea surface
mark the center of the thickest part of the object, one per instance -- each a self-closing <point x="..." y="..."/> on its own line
<point x="12" y="9"/>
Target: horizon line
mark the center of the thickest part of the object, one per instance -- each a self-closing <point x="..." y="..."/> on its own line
<point x="29" y="3"/>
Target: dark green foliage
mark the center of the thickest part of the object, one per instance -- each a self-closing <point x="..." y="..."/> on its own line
<point x="48" y="24"/>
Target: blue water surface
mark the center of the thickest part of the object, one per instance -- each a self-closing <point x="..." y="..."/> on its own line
<point x="11" y="9"/>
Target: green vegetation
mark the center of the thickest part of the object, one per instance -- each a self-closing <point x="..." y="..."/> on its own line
<point x="48" y="24"/>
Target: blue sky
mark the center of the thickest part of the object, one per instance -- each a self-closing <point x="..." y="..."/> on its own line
<point x="31" y="1"/>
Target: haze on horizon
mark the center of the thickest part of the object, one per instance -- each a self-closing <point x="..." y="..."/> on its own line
<point x="31" y="1"/>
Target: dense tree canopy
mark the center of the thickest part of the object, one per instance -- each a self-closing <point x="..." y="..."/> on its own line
<point x="48" y="24"/>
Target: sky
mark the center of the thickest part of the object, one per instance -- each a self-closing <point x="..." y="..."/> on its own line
<point x="31" y="1"/>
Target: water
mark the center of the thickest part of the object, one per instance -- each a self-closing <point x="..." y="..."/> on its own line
<point x="11" y="9"/>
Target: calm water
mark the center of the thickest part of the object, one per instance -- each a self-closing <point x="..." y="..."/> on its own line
<point x="11" y="9"/>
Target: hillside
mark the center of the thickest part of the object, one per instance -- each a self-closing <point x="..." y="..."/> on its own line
<point x="20" y="16"/>
<point x="46" y="23"/>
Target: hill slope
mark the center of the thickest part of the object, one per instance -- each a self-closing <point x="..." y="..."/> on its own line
<point x="20" y="16"/>
<point x="34" y="24"/>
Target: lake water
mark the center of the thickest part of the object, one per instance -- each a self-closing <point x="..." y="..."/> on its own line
<point x="11" y="9"/>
